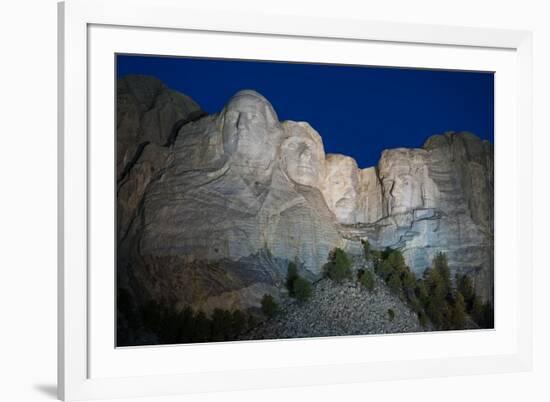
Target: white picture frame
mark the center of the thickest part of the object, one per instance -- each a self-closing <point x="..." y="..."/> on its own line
<point x="91" y="32"/>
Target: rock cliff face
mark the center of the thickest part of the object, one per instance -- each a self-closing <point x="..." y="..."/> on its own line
<point x="212" y="208"/>
<point x="435" y="199"/>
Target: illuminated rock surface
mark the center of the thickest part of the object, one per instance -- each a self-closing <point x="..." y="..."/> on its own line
<point x="212" y="208"/>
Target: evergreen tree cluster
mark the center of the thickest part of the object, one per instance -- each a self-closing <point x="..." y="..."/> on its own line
<point x="443" y="305"/>
<point x="187" y="326"/>
<point x="433" y="296"/>
<point x="481" y="313"/>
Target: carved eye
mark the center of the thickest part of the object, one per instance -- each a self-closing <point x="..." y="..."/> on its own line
<point x="291" y="146"/>
<point x="231" y="117"/>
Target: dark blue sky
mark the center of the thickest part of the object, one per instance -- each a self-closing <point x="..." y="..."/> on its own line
<point x="359" y="111"/>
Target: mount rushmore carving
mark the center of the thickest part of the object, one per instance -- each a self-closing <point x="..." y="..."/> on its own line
<point x="211" y="208"/>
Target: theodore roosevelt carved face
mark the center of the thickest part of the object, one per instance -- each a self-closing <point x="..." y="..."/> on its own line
<point x="340" y="189"/>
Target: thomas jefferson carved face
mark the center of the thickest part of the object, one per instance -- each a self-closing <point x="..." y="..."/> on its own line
<point x="251" y="131"/>
<point x="303" y="155"/>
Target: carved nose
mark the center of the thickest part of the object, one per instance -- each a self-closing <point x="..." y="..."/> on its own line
<point x="240" y="123"/>
<point x="305" y="157"/>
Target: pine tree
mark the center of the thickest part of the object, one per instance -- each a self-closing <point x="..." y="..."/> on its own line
<point x="367" y="280"/>
<point x="394" y="283"/>
<point x="421" y="292"/>
<point x="302" y="289"/>
<point x="441" y="266"/>
<point x="477" y="311"/>
<point x="465" y="286"/>
<point x="397" y="261"/>
<point x="339" y="266"/>
<point x="385" y="270"/>
<point x="292" y="275"/>
<point x="458" y="313"/>
<point x="269" y="306"/>
<point x="408" y="280"/>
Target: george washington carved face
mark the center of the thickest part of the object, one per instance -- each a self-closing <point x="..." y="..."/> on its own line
<point x="251" y="131"/>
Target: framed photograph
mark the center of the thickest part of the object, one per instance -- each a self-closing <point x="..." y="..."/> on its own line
<point x="253" y="201"/>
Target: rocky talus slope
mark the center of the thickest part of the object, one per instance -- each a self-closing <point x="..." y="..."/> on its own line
<point x="212" y="208"/>
<point x="340" y="309"/>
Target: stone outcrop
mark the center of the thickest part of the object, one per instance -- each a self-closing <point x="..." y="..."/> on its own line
<point x="148" y="117"/>
<point x="212" y="208"/>
<point x="147" y="112"/>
